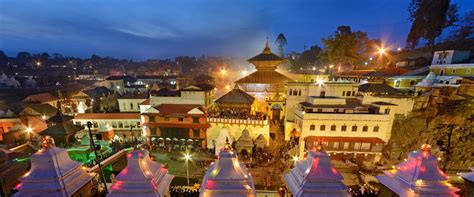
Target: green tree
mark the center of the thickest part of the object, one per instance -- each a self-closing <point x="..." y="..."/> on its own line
<point x="429" y="18"/>
<point x="346" y="47"/>
<point x="281" y="44"/>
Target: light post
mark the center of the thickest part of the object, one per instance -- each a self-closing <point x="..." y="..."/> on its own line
<point x="447" y="149"/>
<point x="381" y="53"/>
<point x="89" y="125"/>
<point x="187" y="157"/>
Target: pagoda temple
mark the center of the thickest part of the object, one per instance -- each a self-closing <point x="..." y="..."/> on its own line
<point x="54" y="174"/>
<point x="227" y="177"/>
<point x="61" y="128"/>
<point x="419" y="175"/>
<point x="315" y="176"/>
<point x="141" y="177"/>
<point x="266" y="82"/>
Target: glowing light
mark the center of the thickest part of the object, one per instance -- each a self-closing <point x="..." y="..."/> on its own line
<point x="295" y="158"/>
<point x="371" y="58"/>
<point x="319" y="81"/>
<point x="393" y="167"/>
<point x="223" y="71"/>
<point x="29" y="130"/>
<point x="419" y="181"/>
<point x="399" y="49"/>
<point x="381" y="51"/>
<point x="366" y="63"/>
<point x="118" y="87"/>
<point x="38" y="63"/>
<point x="439" y="158"/>
<point x="331" y="66"/>
<point x="227" y="87"/>
<point x="44" y="117"/>
<point x="314" y="68"/>
<point x="147" y="85"/>
<point x="244" y="72"/>
<point x="187" y="156"/>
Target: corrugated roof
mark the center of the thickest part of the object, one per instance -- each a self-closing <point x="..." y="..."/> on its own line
<point x="265" y="77"/>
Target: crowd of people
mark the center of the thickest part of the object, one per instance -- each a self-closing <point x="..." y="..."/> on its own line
<point x="363" y="191"/>
<point x="238" y="114"/>
<point x="176" y="191"/>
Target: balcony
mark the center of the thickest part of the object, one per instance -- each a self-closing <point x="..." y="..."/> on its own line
<point x="237" y="121"/>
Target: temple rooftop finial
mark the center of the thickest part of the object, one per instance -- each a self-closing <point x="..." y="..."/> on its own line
<point x="267" y="49"/>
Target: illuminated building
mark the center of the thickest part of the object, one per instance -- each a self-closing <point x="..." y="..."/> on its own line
<point x="141" y="177"/>
<point x="227" y="177"/>
<point x="54" y="174"/>
<point x="315" y="176"/>
<point x="419" y="175"/>
<point x="266" y="84"/>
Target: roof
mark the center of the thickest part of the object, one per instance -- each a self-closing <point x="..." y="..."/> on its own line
<point x="418" y="72"/>
<point x="105" y="116"/>
<point x="165" y="92"/>
<point x="315" y="176"/>
<point x="98" y="92"/>
<point x="52" y="173"/>
<point x="41" y="98"/>
<point x="468" y="175"/>
<point x="61" y="129"/>
<point x="43" y="109"/>
<point x="265" y="77"/>
<point x="199" y="87"/>
<point x="59" y="118"/>
<point x="266" y="55"/>
<point x="343" y="139"/>
<point x="419" y="174"/>
<point x="141" y="177"/>
<point x="227" y="176"/>
<point x="380" y="88"/>
<point x="236" y="95"/>
<point x="138" y="95"/>
<point x="177" y="109"/>
<point x="126" y="77"/>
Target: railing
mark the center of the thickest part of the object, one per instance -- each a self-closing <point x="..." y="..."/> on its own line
<point x="237" y="121"/>
<point x="109" y="160"/>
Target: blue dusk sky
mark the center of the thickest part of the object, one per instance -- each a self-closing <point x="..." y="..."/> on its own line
<point x="142" y="29"/>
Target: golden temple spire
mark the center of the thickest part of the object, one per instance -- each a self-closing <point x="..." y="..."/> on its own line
<point x="267" y="49"/>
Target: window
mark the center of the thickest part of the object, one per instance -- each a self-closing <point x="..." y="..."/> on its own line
<point x="120" y="124"/>
<point x="299" y="92"/>
<point x="343" y="93"/>
<point x="354" y="128"/>
<point x="365" y="128"/>
<point x="320" y="110"/>
<point x="365" y="146"/>
<point x="376" y="129"/>
<point x="114" y="124"/>
<point x="322" y="127"/>
<point x="312" y="127"/>
<point x="387" y="111"/>
<point x="322" y="94"/>
<point x="289" y="92"/>
<point x="344" y="128"/>
<point x="167" y="119"/>
<point x="295" y="93"/>
<point x="353" y="93"/>
<point x="131" y="105"/>
<point x="346" y="145"/>
<point x="180" y="119"/>
<point x="195" y="119"/>
<point x="196" y="132"/>
<point x="453" y="71"/>
<point x="153" y="131"/>
<point x="96" y="125"/>
<point x="412" y="82"/>
<point x="397" y="83"/>
<point x="357" y="145"/>
<point x="333" y="127"/>
<point x="336" y="110"/>
<point x="138" y="124"/>
<point x="335" y="145"/>
<point x="151" y="119"/>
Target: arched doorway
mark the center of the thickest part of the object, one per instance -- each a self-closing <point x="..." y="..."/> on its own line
<point x="276" y="110"/>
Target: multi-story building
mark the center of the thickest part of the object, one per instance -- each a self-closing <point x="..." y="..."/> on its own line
<point x="180" y="121"/>
<point x="130" y="102"/>
<point x="347" y="127"/>
<point x="298" y="92"/>
<point x="124" y="125"/>
<point x="200" y="94"/>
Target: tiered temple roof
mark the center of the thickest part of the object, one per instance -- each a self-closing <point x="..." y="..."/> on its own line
<point x="266" y="64"/>
<point x="141" y="177"/>
<point x="227" y="177"/>
<point x="418" y="176"/>
<point x="315" y="176"/>
<point x="52" y="174"/>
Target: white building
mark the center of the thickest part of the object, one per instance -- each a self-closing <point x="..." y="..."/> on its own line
<point x="201" y="94"/>
<point x="315" y="176"/>
<point x="141" y="177"/>
<point x="227" y="177"/>
<point x="345" y="126"/>
<point x="123" y="125"/>
<point x="54" y="174"/>
<point x="130" y="102"/>
<point x="450" y="57"/>
<point x="298" y="92"/>
<point x="419" y="175"/>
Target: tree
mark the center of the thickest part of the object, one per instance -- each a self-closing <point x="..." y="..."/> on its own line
<point x="281" y="44"/>
<point x="465" y="29"/>
<point x="347" y="47"/>
<point x="3" y="59"/>
<point x="429" y="18"/>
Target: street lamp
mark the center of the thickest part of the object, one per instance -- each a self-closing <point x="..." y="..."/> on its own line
<point x="89" y="125"/>
<point x="187" y="158"/>
<point x="295" y="159"/>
